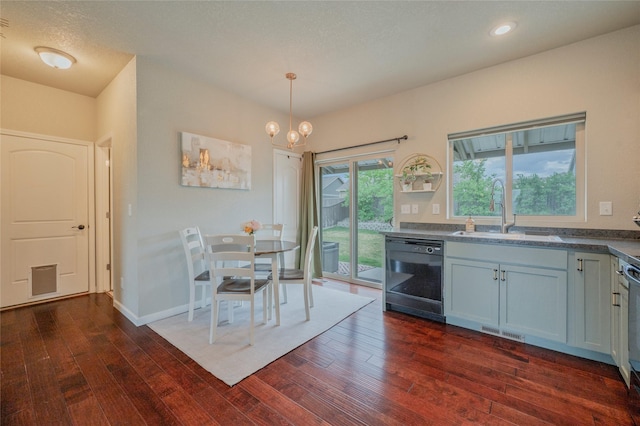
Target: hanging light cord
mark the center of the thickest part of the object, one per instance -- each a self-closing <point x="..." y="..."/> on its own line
<point x="290" y="101"/>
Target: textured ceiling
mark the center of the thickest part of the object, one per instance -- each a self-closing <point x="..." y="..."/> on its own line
<point x="344" y="53"/>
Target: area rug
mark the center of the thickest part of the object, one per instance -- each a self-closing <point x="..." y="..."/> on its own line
<point x="230" y="358"/>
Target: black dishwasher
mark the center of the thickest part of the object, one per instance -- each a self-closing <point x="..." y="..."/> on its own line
<point x="413" y="277"/>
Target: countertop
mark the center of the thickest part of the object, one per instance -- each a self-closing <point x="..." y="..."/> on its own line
<point x="628" y="249"/>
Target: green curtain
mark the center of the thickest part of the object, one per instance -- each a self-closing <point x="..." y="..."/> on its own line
<point x="309" y="216"/>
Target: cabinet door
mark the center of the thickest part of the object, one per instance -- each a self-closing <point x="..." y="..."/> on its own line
<point x="623" y="345"/>
<point x="623" y="348"/>
<point x="592" y="307"/>
<point x="615" y="312"/>
<point x="471" y="290"/>
<point x="534" y="301"/>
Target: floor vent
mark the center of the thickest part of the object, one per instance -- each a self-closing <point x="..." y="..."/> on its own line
<point x="502" y="333"/>
<point x="490" y="330"/>
<point x="513" y="336"/>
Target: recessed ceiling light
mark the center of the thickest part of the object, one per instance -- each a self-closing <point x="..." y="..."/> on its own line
<point x="55" y="58"/>
<point x="503" y="29"/>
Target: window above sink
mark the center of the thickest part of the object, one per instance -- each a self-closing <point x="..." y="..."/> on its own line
<point x="540" y="162"/>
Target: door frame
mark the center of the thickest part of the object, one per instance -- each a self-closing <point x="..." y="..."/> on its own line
<point x="353" y="240"/>
<point x="90" y="199"/>
<point x="104" y="207"/>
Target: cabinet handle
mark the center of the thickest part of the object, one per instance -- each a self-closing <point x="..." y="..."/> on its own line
<point x="620" y="272"/>
<point x="503" y="274"/>
<point x="614" y="299"/>
<point x="495" y="275"/>
<point x="580" y="265"/>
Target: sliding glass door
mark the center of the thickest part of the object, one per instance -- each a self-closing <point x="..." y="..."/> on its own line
<point x="356" y="203"/>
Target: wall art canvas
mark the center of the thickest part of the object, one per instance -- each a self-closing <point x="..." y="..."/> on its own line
<point x="214" y="163"/>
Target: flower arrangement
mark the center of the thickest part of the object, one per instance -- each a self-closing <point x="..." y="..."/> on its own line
<point x="251" y="227"/>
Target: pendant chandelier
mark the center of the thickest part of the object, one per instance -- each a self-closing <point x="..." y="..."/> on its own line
<point x="293" y="138"/>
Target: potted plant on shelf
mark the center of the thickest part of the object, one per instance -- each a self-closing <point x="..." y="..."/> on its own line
<point x="419" y="167"/>
<point x="408" y="177"/>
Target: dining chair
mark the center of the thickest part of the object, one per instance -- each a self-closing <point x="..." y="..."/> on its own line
<point x="232" y="282"/>
<point x="302" y="276"/>
<point x="268" y="232"/>
<point x="196" y="265"/>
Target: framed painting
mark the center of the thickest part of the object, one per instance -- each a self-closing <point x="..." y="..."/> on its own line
<point x="214" y="163"/>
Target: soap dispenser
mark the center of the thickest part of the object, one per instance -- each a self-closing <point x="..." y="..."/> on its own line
<point x="470" y="225"/>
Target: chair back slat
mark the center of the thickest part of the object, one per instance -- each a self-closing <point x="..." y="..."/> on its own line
<point x="270" y="231"/>
<point x="308" y="256"/>
<point x="194" y="250"/>
<point x="226" y="254"/>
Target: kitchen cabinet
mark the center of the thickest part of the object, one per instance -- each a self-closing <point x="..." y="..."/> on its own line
<point x="620" y="318"/>
<point x="509" y="291"/>
<point x="591" y="286"/>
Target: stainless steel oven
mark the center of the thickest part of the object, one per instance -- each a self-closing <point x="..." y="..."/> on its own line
<point x="632" y="274"/>
<point x="413" y="277"/>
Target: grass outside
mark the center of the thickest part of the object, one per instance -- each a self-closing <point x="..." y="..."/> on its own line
<point x="370" y="247"/>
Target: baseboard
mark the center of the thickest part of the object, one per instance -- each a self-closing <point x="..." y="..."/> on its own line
<point x="127" y="313"/>
<point x="146" y="319"/>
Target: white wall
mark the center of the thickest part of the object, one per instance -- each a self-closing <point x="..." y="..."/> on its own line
<point x="169" y="103"/>
<point x="600" y="76"/>
<point x="142" y="111"/>
<point x="117" y="120"/>
<point x="34" y="108"/>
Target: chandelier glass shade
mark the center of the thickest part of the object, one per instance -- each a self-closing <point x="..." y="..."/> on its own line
<point x="293" y="137"/>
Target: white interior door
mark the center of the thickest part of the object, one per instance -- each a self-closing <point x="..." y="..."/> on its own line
<point x="44" y="218"/>
<point x="287" y="177"/>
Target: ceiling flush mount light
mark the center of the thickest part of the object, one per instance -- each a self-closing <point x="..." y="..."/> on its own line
<point x="305" y="128"/>
<point x="503" y="29"/>
<point x="55" y="58"/>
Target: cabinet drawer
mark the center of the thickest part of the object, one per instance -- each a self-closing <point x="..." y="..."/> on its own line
<point x="527" y="256"/>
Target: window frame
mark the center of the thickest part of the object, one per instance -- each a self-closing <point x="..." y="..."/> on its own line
<point x="579" y="119"/>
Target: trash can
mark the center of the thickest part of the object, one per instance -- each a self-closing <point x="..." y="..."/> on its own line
<point x="330" y="256"/>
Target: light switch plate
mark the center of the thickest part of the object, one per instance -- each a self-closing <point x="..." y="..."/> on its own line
<point x="414" y="209"/>
<point x="435" y="208"/>
<point x="405" y="209"/>
<point x="606" y="208"/>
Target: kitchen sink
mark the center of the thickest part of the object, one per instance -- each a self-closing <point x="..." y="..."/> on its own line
<point x="510" y="236"/>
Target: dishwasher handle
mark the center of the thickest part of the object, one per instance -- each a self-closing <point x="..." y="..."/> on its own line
<point x="632" y="274"/>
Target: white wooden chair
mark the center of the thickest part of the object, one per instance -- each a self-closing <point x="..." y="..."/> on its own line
<point x="196" y="265"/>
<point x="230" y="281"/>
<point x="302" y="276"/>
<point x="268" y="232"/>
<point x="263" y="265"/>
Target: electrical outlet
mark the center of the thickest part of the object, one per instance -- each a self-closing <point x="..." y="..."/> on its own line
<point x="405" y="209"/>
<point x="606" y="208"/>
<point x="414" y="209"/>
<point x="435" y="208"/>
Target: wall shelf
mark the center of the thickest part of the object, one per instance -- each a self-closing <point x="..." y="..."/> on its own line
<point x="423" y="175"/>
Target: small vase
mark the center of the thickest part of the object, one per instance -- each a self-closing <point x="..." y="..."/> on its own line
<point x="426" y="186"/>
<point x="407" y="187"/>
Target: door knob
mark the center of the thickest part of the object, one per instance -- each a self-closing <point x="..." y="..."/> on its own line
<point x="80" y="227"/>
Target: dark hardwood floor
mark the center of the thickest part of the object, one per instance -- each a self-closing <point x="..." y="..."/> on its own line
<point x="79" y="361"/>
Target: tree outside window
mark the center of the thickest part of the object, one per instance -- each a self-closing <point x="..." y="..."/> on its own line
<point x="540" y="182"/>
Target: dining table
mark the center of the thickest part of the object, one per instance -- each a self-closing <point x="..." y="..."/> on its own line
<point x="275" y="250"/>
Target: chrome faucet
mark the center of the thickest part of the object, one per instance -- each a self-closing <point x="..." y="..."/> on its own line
<point x="504" y="226"/>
